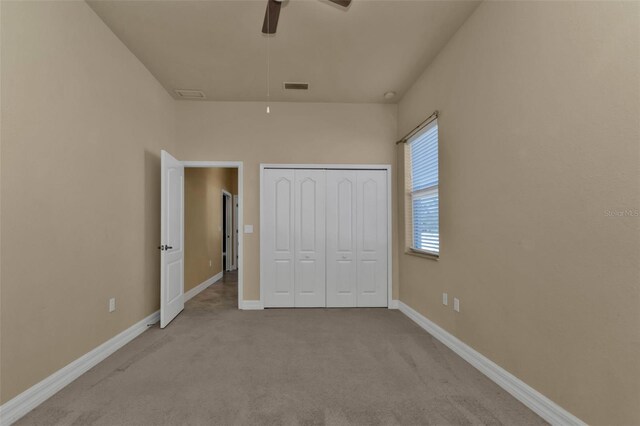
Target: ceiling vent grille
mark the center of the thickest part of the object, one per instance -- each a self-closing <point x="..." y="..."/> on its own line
<point x="289" y="85"/>
<point x="190" y="94"/>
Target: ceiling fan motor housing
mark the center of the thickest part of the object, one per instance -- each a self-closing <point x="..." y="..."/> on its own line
<point x="272" y="14"/>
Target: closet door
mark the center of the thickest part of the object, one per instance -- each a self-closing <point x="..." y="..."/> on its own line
<point x="310" y="199"/>
<point x="277" y="242"/>
<point x="371" y="236"/>
<point x="341" y="238"/>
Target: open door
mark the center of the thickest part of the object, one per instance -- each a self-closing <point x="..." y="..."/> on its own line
<point x="228" y="219"/>
<point x="172" y="239"/>
<point x="234" y="234"/>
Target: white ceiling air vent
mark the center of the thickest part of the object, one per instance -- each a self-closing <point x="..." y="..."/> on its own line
<point x="190" y="94"/>
<point x="290" y="85"/>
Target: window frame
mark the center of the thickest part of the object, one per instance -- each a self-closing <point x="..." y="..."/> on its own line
<point x="419" y="193"/>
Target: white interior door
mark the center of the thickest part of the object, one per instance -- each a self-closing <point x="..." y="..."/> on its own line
<point x="277" y="238"/>
<point x="172" y="238"/>
<point x="234" y="234"/>
<point x="228" y="218"/>
<point x="371" y="234"/>
<point x="341" y="238"/>
<point x="309" y="243"/>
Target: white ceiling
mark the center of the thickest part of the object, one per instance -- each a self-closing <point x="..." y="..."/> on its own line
<point x="353" y="55"/>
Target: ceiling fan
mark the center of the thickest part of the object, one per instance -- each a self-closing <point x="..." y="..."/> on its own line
<point x="273" y="13"/>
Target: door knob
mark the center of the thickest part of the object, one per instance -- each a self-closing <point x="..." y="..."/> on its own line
<point x="167" y="247"/>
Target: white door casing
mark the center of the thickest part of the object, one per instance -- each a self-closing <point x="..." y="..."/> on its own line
<point x="172" y="238"/>
<point x="309" y="238"/>
<point x="341" y="238"/>
<point x="372" y="238"/>
<point x="277" y="239"/>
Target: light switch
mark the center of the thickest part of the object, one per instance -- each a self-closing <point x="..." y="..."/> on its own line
<point x="248" y="229"/>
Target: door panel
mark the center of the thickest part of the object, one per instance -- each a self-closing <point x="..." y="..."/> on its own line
<point x="309" y="242"/>
<point x="341" y="238"/>
<point x="369" y="214"/>
<point x="284" y="272"/>
<point x="306" y="277"/>
<point x="308" y="208"/>
<point x="172" y="238"/>
<point x="371" y="230"/>
<point x="174" y="270"/>
<point x="228" y="219"/>
<point x="278" y="238"/>
<point x="283" y="213"/>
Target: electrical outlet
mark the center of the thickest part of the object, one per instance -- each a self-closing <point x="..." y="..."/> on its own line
<point x="112" y="304"/>
<point x="445" y="299"/>
<point x="456" y="304"/>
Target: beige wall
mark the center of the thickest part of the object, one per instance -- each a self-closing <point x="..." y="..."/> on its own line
<point x="203" y="222"/>
<point x="292" y="133"/>
<point x="83" y="123"/>
<point x="540" y="131"/>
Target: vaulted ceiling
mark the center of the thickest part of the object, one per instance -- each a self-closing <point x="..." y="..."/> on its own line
<point x="346" y="55"/>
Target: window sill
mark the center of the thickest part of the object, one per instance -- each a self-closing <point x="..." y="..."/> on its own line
<point x="422" y="254"/>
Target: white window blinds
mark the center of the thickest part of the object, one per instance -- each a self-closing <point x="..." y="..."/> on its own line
<point x="423" y="231"/>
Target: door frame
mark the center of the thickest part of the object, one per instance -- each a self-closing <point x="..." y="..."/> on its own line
<point x="227" y="263"/>
<point x="240" y="166"/>
<point x="391" y="303"/>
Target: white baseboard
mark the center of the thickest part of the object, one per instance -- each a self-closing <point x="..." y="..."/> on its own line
<point x="197" y="289"/>
<point x="20" y="405"/>
<point x="251" y="305"/>
<point x="537" y="402"/>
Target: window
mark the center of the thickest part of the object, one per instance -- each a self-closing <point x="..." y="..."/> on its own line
<point x="422" y="203"/>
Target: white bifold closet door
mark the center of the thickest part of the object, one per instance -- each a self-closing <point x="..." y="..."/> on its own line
<point x="294" y="238"/>
<point x="324" y="238"/>
<point x="356" y="238"/>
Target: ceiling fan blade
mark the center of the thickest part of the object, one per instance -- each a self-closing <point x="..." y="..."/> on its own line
<point x="271" y="16"/>
<point x="343" y="3"/>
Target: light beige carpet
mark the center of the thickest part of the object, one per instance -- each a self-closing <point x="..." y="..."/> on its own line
<point x="216" y="365"/>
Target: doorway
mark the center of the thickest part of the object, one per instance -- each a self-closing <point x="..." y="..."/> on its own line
<point x="173" y="267"/>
